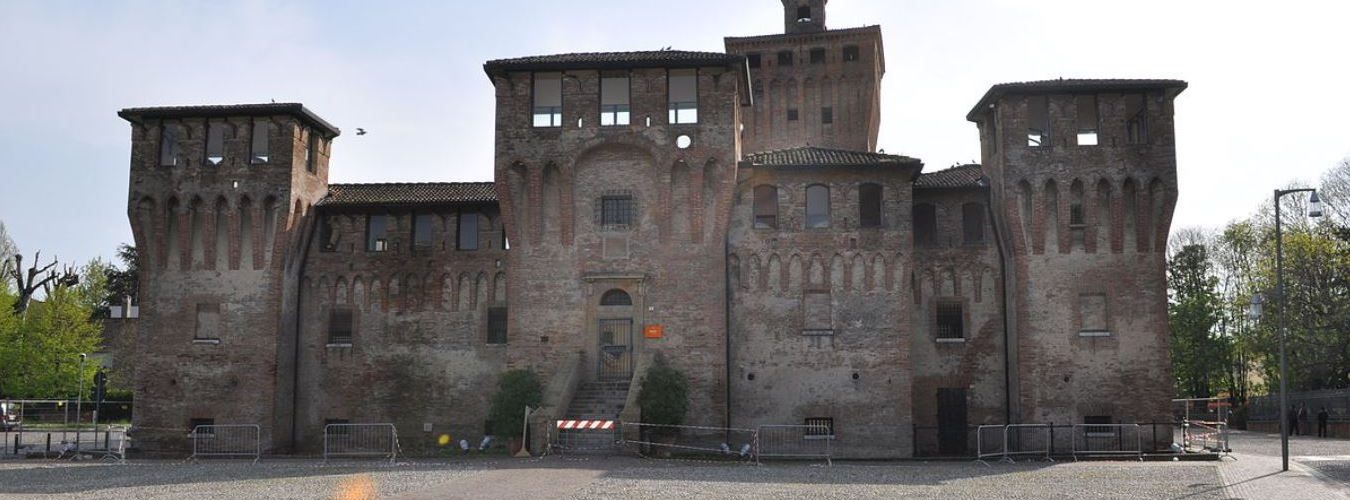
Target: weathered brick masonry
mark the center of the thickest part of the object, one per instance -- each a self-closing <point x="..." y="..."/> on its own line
<point x="726" y="210"/>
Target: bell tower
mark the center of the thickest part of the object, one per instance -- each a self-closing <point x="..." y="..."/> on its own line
<point x="803" y="16"/>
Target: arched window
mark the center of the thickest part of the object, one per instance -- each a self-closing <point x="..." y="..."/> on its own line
<point x="925" y="225"/>
<point x="817" y="206"/>
<point x="972" y="223"/>
<point x="869" y="205"/>
<point x="766" y="207"/>
<point x="616" y="297"/>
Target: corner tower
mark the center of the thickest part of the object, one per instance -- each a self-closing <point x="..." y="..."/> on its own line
<point x="218" y="203"/>
<point x="812" y="86"/>
<point x="1083" y="178"/>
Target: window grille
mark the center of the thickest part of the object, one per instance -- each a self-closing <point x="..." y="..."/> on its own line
<point x="340" y="326"/>
<point x="950" y="319"/>
<point x="820" y="426"/>
<point x="617" y="211"/>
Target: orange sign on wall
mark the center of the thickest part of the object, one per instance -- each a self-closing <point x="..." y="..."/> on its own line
<point x="652" y="332"/>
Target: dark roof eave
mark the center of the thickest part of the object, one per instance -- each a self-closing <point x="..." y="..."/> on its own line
<point x="1070" y="86"/>
<point x="138" y="115"/>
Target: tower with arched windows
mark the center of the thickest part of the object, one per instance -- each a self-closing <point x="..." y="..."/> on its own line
<point x="218" y="203"/>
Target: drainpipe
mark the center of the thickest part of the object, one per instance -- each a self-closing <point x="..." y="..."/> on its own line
<point x="726" y="323"/>
<point x="307" y="232"/>
<point x="1009" y="336"/>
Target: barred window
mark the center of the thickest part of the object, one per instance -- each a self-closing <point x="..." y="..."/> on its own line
<point x="340" y="325"/>
<point x="617" y="211"/>
<point x="950" y="319"/>
<point x="496" y="325"/>
<point x="820" y="426"/>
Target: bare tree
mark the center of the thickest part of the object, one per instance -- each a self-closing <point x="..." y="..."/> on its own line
<point x="35" y="278"/>
<point x="7" y="249"/>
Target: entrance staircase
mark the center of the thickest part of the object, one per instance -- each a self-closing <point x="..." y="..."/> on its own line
<point x="594" y="401"/>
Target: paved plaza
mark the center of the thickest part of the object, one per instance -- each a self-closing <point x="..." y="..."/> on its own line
<point x="1321" y="469"/>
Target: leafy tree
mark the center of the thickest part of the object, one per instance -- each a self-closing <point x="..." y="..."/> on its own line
<point x="7" y="251"/>
<point x="1199" y="356"/>
<point x="123" y="282"/>
<point x="516" y="390"/>
<point x="39" y="349"/>
<point x="664" y="398"/>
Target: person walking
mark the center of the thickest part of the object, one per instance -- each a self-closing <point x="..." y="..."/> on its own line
<point x="1293" y="420"/>
<point x="1303" y="418"/>
<point x="1322" y="417"/>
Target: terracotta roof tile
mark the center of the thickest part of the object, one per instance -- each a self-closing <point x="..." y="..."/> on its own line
<point x="962" y="176"/>
<point x="813" y="156"/>
<point x="409" y="193"/>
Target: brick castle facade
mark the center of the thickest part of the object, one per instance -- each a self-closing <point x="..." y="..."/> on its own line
<point x="727" y="210"/>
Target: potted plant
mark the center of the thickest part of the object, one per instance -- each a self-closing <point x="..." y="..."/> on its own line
<point x="664" y="400"/>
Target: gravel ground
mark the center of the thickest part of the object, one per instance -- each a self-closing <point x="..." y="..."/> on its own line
<point x="603" y="478"/>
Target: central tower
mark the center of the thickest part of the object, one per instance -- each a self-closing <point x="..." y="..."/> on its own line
<point x="812" y="86"/>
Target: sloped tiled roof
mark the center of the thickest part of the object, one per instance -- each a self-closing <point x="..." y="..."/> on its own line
<point x="136" y="115"/>
<point x="961" y="176"/>
<point x="1072" y="85"/>
<point x="814" y="156"/>
<point x="409" y="193"/>
<point x="613" y="60"/>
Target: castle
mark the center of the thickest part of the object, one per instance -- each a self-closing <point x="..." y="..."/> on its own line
<point x="727" y="210"/>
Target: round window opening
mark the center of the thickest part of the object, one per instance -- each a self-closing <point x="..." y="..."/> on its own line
<point x="683" y="142"/>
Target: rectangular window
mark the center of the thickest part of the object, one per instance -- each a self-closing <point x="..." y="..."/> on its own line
<point x="765" y="207"/>
<point x="614" y="101"/>
<point x="869" y="205"/>
<point x="205" y="423"/>
<point x="311" y="150"/>
<point x="817" y="206"/>
<point x="208" y="322"/>
<point x="1099" y="426"/>
<point x="972" y="223"/>
<point x="422" y="231"/>
<point x="827" y="115"/>
<point x="1087" y="119"/>
<point x="820" y="427"/>
<point x="816" y="315"/>
<point x="792" y="115"/>
<point x="925" y="225"/>
<point x="1092" y="313"/>
<point x="261" y="142"/>
<point x="818" y="55"/>
<point x="1076" y="217"/>
<point x="340" y="326"/>
<point x="683" y="95"/>
<point x="168" y="145"/>
<point x="1038" y="121"/>
<point x="377" y="233"/>
<point x="753" y="60"/>
<point x="950" y="319"/>
<point x="785" y="58"/>
<point x="468" y="231"/>
<point x="328" y="236"/>
<point x="851" y="53"/>
<point x="617" y="211"/>
<point x="1136" y="119"/>
<point x="548" y="99"/>
<point x="215" y="143"/>
<point x="496" y="325"/>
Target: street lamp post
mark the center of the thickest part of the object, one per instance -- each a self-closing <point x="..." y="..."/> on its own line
<point x="1314" y="210"/>
<point x="79" y="395"/>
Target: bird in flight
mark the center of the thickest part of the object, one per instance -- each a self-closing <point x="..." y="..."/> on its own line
<point x="360" y="131"/>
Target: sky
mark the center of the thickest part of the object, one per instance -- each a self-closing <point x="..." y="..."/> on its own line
<point x="1265" y="108"/>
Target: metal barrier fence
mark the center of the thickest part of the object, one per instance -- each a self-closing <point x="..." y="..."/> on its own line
<point x="1107" y="440"/>
<point x="1013" y="440"/>
<point x="1204" y="409"/>
<point x="584" y="436"/>
<point x="794" y="441"/>
<point x="1267" y="408"/>
<point x="693" y="440"/>
<point x="1206" y="436"/>
<point x="360" y="440"/>
<point x="1153" y="437"/>
<point x="63" y="412"/>
<point x="240" y="440"/>
<point x="105" y="441"/>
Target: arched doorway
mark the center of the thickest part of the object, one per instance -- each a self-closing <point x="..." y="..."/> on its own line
<point x="615" y="329"/>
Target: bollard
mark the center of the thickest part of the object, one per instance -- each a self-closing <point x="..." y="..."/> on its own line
<point x="49" y="442"/>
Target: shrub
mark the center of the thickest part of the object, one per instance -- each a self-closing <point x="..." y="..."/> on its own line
<point x="516" y="390"/>
<point x="664" y="398"/>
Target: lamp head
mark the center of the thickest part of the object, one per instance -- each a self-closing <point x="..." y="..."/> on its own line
<point x="1314" y="205"/>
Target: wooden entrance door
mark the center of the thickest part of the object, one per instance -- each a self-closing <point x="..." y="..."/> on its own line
<point x="952" y="433"/>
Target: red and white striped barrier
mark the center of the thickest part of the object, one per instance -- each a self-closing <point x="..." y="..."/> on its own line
<point x="586" y="424"/>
